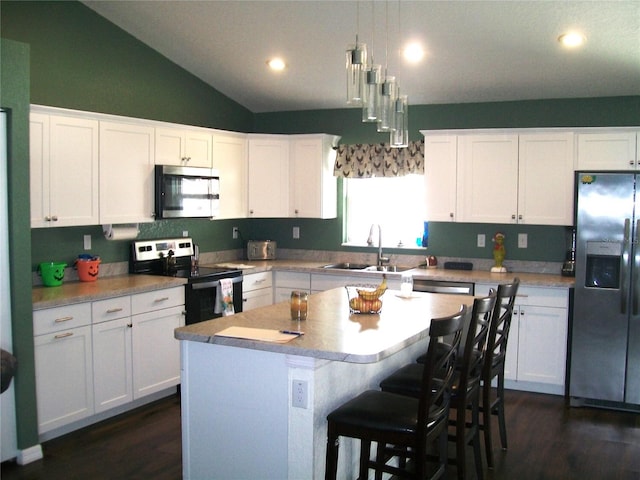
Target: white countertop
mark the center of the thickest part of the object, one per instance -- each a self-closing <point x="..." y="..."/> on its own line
<point x="331" y="332"/>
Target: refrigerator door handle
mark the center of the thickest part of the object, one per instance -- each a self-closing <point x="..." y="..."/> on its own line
<point x="635" y="284"/>
<point x="624" y="269"/>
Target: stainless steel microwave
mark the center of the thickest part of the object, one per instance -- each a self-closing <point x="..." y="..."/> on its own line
<point x="187" y="192"/>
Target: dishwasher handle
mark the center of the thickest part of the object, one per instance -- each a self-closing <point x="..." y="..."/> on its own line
<point x="442" y="286"/>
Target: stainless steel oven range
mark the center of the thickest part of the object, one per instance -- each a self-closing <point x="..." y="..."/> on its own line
<point x="175" y="257"/>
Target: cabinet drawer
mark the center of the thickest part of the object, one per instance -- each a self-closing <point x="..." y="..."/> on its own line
<point x="157" y="299"/>
<point x="257" y="280"/>
<point x="543" y="297"/>
<point x="260" y="297"/>
<point x="61" y="318"/>
<point x="293" y="280"/>
<point x="111" y="309"/>
<point x="534" y="296"/>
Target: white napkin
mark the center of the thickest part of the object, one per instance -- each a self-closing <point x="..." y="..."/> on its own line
<point x="224" y="294"/>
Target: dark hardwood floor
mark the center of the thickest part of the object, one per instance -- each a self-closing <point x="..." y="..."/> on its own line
<point x="546" y="441"/>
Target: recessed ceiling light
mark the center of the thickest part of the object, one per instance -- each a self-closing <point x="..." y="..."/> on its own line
<point x="276" y="64"/>
<point x="413" y="52"/>
<point x="572" y="39"/>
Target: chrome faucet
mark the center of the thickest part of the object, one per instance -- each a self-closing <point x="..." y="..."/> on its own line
<point x="381" y="259"/>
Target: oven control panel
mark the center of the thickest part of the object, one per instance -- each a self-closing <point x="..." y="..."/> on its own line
<point x="154" y="249"/>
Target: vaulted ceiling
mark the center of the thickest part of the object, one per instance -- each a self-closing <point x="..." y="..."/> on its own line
<point x="476" y="51"/>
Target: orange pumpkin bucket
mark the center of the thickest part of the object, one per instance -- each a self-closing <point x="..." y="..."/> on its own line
<point x="88" y="269"/>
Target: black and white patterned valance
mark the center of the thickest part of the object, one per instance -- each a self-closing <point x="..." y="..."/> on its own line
<point x="379" y="160"/>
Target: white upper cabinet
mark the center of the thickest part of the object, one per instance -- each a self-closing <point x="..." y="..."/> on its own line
<point x="313" y="191"/>
<point x="545" y="186"/>
<point x="440" y="161"/>
<point x="487" y="185"/>
<point x="183" y="147"/>
<point x="63" y="170"/>
<point x="526" y="178"/>
<point x="230" y="159"/>
<point x="126" y="172"/>
<point x="268" y="176"/>
<point x="608" y="151"/>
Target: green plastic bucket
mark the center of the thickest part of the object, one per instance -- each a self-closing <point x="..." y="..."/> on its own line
<point x="52" y="273"/>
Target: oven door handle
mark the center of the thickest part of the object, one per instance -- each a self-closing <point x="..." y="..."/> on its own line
<point x="212" y="283"/>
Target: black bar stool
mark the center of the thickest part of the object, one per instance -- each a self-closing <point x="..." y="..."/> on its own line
<point x="494" y="366"/>
<point x="465" y="394"/>
<point x="402" y="426"/>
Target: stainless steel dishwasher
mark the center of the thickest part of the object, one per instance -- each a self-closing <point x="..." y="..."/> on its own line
<point x="442" y="286"/>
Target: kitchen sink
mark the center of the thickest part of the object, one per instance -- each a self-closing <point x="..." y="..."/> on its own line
<point x="366" y="268"/>
<point x="387" y="268"/>
<point x="346" y="266"/>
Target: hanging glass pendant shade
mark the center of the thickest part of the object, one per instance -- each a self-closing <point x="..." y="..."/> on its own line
<point x="399" y="137"/>
<point x="371" y="93"/>
<point x="386" y="105"/>
<point x="356" y="62"/>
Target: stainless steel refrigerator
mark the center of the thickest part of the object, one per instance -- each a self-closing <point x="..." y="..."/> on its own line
<point x="605" y="331"/>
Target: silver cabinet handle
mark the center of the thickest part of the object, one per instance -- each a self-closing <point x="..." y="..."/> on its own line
<point x="114" y="310"/>
<point x="163" y="299"/>
<point x="63" y="319"/>
<point x="63" y="335"/>
<point x="54" y="218"/>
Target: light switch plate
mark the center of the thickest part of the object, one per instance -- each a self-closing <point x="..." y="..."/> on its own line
<point x="481" y="240"/>
<point x="522" y="240"/>
<point x="296" y="232"/>
<point x="87" y="242"/>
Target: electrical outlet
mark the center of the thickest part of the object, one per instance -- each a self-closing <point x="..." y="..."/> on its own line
<point x="87" y="242"/>
<point x="299" y="393"/>
<point x="235" y="233"/>
<point x="522" y="240"/>
<point x="296" y="232"/>
<point x="481" y="240"/>
<point x="185" y="233"/>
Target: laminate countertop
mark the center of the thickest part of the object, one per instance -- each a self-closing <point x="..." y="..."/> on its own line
<point x="331" y="332"/>
<point x="107" y="287"/>
<point x="476" y="276"/>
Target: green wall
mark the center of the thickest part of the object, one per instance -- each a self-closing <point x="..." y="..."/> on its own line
<point x="14" y="97"/>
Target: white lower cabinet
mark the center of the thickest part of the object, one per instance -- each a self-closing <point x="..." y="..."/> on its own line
<point x="63" y="362"/>
<point x="288" y="281"/>
<point x="93" y="357"/>
<point x="156" y="353"/>
<point x="537" y="345"/>
<point x="112" y="363"/>
<point x="257" y="290"/>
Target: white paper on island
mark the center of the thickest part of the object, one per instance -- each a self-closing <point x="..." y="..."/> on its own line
<point x="262" y="334"/>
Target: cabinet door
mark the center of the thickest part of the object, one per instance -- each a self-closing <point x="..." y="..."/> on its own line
<point x="313" y="186"/>
<point x="542" y="344"/>
<point x="112" y="364"/>
<point x="39" y="169"/>
<point x="256" y="298"/>
<point x="545" y="186"/>
<point x="440" y="170"/>
<point x="68" y="166"/>
<point x="268" y="177"/>
<point x="156" y="352"/>
<point x="197" y="149"/>
<point x="487" y="189"/>
<point x="607" y="151"/>
<point x="169" y="146"/>
<point x="126" y="173"/>
<point x="230" y="159"/>
<point x="64" y="377"/>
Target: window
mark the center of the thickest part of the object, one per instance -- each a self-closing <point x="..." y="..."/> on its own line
<point x="396" y="204"/>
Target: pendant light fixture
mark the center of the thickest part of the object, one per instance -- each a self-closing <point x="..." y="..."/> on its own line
<point x="399" y="137"/>
<point x="356" y="63"/>
<point x="378" y="95"/>
<point x="388" y="86"/>
<point x="372" y="79"/>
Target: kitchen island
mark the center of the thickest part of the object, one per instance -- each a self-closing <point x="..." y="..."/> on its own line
<point x="238" y="418"/>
